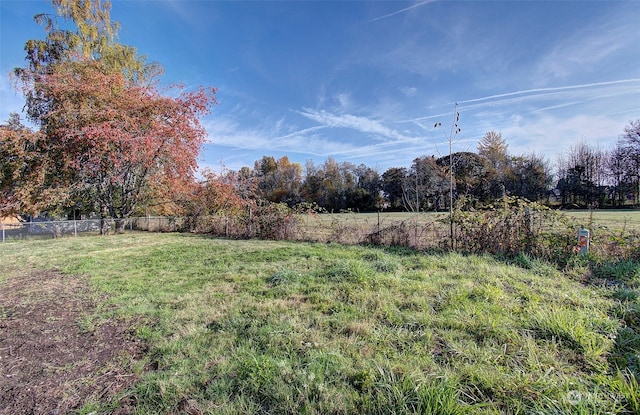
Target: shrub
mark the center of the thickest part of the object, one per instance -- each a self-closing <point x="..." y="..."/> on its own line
<point x="274" y="221"/>
<point x="513" y="226"/>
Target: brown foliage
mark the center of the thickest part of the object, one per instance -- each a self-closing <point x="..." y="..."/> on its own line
<point x="18" y="169"/>
<point x="216" y="196"/>
<point x="108" y="142"/>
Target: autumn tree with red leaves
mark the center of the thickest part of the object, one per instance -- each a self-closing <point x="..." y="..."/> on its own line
<point x="109" y="139"/>
<point x="118" y="140"/>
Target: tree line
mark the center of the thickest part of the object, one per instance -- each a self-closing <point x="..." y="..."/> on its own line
<point x="110" y="142"/>
<point x="584" y="176"/>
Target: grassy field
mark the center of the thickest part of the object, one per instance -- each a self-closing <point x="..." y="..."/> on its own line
<point x="431" y="229"/>
<point x="243" y="327"/>
<point x="613" y="219"/>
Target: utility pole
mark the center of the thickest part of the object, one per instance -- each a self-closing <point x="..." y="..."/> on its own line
<point x="454" y="132"/>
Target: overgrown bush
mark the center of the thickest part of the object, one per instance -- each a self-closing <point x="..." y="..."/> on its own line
<point x="274" y="221"/>
<point x="513" y="226"/>
<point x="269" y="221"/>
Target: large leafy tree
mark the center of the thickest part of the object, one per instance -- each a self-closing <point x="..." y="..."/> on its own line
<point x="109" y="138"/>
<point x="113" y="142"/>
<point x="94" y="38"/>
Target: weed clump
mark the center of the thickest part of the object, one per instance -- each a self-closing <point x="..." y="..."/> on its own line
<point x="347" y="271"/>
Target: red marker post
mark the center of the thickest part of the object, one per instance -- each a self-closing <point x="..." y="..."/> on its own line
<point x="583" y="241"/>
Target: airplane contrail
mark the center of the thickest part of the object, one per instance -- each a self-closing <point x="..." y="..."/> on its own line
<point x="422" y="3"/>
<point x="560" y="88"/>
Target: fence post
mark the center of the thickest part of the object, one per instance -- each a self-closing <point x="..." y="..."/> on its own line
<point x="528" y="230"/>
<point x="3" y="232"/>
<point x="75" y="229"/>
<point x="583" y="241"/>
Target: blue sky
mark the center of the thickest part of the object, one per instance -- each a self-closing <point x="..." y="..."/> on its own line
<point x="365" y="81"/>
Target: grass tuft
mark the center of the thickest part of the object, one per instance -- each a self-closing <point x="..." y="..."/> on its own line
<point x="349" y="270"/>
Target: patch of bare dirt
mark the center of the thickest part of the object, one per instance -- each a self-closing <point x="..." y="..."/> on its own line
<point x="53" y="360"/>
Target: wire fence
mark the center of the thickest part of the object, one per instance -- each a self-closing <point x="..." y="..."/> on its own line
<point x="426" y="230"/>
<point x="519" y="231"/>
<point x="60" y="228"/>
<point x="414" y="230"/>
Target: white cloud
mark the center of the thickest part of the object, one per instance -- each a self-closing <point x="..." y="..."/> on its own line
<point x="345" y="101"/>
<point x="229" y="133"/>
<point x="354" y="122"/>
<point x="409" y="91"/>
<point x="551" y="135"/>
<point x="602" y="45"/>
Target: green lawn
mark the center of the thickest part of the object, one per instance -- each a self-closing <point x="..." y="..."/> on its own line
<point x="615" y="220"/>
<point x="242" y="327"/>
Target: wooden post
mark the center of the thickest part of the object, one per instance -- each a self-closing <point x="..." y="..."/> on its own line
<point x="527" y="225"/>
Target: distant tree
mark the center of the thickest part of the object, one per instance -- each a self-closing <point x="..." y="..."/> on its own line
<point x="528" y="176"/>
<point x="339" y="182"/>
<point x="278" y="180"/>
<point x="392" y="185"/>
<point x="630" y="142"/>
<point x="367" y="193"/>
<point x="618" y="168"/>
<point x="312" y="186"/>
<point x="469" y="171"/>
<point x="336" y="186"/>
<point x="494" y="150"/>
<point x="425" y="185"/>
<point x="582" y="175"/>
